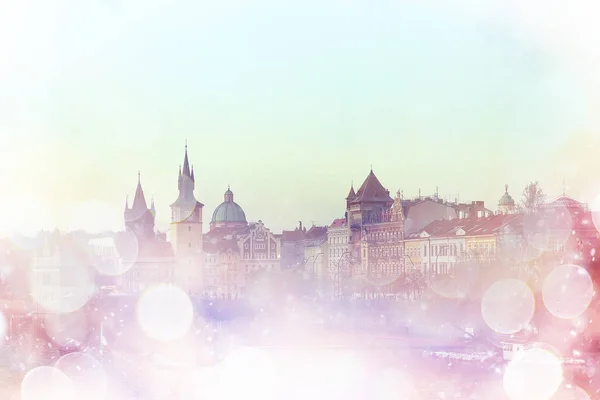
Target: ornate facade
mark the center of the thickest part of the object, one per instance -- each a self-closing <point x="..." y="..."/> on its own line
<point x="376" y="235"/>
<point x="235" y="251"/>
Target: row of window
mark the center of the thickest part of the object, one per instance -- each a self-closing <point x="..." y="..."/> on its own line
<point x="385" y="236"/>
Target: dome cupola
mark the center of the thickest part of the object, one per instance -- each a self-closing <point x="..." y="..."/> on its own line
<point x="506" y="204"/>
<point x="228" y="214"/>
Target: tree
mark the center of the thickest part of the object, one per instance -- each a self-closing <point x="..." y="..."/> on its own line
<point x="533" y="197"/>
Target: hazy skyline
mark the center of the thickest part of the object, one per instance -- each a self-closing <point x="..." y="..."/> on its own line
<point x="290" y="103"/>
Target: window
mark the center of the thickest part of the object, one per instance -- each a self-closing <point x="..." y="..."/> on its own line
<point x="189" y="228"/>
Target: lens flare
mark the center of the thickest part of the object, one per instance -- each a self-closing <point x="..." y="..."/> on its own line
<point x="570" y="392"/>
<point x="86" y="374"/>
<point x="165" y="313"/>
<point x="568" y="291"/>
<point x="47" y="383"/>
<point x="507" y="306"/>
<point x="61" y="287"/>
<point x="535" y="375"/>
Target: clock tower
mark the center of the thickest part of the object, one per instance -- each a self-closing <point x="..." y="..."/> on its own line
<point x="186" y="231"/>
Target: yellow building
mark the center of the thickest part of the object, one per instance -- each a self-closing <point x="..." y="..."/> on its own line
<point x="413" y="250"/>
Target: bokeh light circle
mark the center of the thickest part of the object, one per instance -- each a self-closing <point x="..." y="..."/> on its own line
<point x="87" y="375"/>
<point x="507" y="306"/>
<point x="571" y="392"/>
<point x="112" y="261"/>
<point x="165" y="313"/>
<point x="47" y="383"/>
<point x="535" y="375"/>
<point x="567" y="291"/>
<point x="62" y="288"/>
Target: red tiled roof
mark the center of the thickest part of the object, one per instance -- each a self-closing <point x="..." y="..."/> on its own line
<point x="338" y="222"/>
<point x="471" y="226"/>
<point x="564" y="201"/>
<point x="372" y="191"/>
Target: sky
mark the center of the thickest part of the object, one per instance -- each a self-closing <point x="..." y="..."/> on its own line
<point x="289" y="103"/>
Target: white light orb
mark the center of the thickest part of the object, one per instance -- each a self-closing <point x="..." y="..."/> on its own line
<point x="534" y="375"/>
<point x="165" y="313"/>
<point x="508" y="306"/>
<point x="62" y="289"/>
<point x="47" y="383"/>
<point x="568" y="291"/>
<point x="571" y="392"/>
<point x="86" y="374"/>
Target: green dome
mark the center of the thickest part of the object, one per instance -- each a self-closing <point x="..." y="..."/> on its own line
<point x="506" y="199"/>
<point x="228" y="211"/>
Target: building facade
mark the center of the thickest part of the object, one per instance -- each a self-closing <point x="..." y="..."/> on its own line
<point x="236" y="251"/>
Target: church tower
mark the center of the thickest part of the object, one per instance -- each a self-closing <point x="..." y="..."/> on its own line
<point x="139" y="219"/>
<point x="186" y="230"/>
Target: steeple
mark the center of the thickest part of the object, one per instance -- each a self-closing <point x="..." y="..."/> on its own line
<point x="352" y="193"/>
<point x="139" y="201"/>
<point x="186" y="163"/>
<point x="186" y="203"/>
<point x="139" y="219"/>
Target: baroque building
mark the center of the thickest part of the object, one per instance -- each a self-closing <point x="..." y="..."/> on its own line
<point x="236" y="251"/>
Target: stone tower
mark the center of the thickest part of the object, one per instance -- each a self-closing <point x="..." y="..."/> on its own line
<point x="186" y="231"/>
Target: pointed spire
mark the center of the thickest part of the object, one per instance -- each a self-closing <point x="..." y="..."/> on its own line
<point x="352" y="193"/>
<point x="186" y="163"/>
<point x="139" y="201"/>
<point x="506" y="188"/>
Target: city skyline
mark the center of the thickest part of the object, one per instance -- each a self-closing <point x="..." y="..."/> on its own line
<point x="289" y="116"/>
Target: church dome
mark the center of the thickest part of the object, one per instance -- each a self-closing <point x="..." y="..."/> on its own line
<point x="228" y="213"/>
<point x="506" y="199"/>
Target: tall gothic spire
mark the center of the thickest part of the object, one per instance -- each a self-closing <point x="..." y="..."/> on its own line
<point x="185" y="184"/>
<point x="139" y="201"/>
<point x="186" y="163"/>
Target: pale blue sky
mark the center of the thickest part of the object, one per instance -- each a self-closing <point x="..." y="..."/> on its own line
<point x="286" y="101"/>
